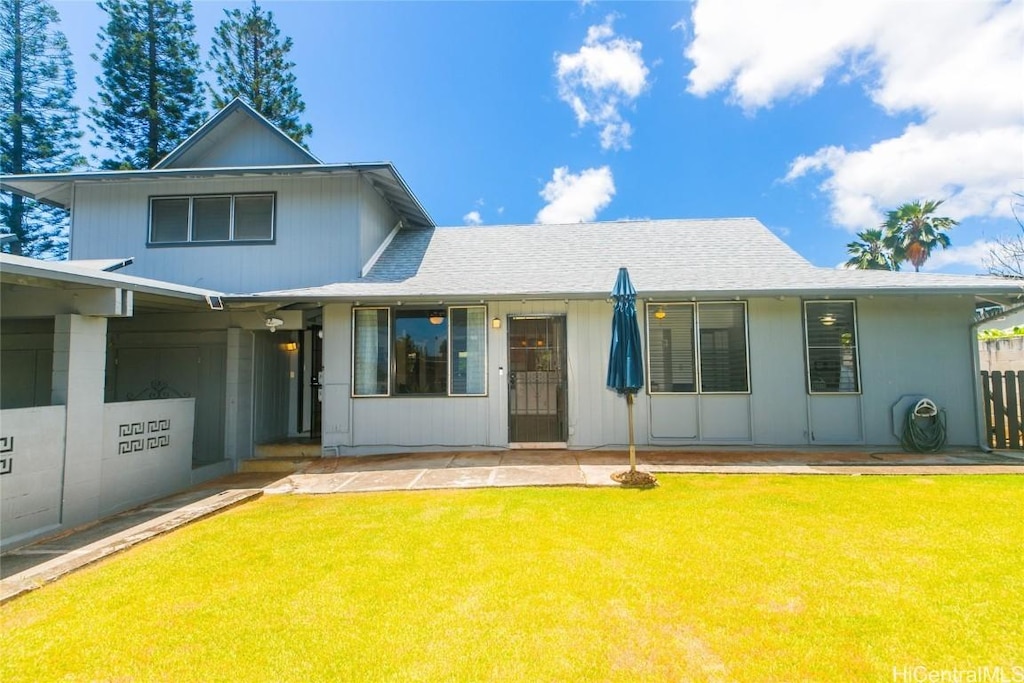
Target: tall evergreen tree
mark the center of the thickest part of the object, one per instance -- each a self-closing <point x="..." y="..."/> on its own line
<point x="251" y="62"/>
<point x="39" y="124"/>
<point x="149" y="98"/>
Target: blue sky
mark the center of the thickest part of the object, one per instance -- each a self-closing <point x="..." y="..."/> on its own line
<point x="813" y="117"/>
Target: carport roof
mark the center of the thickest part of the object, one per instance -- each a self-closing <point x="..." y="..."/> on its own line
<point x="19" y="270"/>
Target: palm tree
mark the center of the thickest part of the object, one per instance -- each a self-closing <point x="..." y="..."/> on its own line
<point x="871" y="252"/>
<point x="911" y="231"/>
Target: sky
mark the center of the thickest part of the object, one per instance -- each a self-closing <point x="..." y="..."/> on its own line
<point x="814" y="117"/>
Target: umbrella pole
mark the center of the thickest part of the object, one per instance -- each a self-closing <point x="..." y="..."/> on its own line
<point x="632" y="446"/>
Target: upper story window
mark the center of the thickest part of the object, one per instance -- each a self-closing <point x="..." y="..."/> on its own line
<point x="697" y="348"/>
<point x="211" y="218"/>
<point x="830" y="333"/>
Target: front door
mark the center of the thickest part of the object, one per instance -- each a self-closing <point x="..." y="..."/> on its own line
<point x="537" y="380"/>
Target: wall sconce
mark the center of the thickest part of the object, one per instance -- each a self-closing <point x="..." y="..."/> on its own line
<point x="660" y="313"/>
<point x="436" y="317"/>
<point x="828" y="320"/>
<point x="496" y="323"/>
<point x="290" y="346"/>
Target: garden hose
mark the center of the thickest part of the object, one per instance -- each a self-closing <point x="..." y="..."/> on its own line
<point x="924" y="433"/>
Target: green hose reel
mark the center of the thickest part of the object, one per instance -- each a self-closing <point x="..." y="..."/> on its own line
<point x="924" y="428"/>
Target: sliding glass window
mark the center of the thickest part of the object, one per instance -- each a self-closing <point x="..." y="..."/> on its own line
<point x="830" y="333"/>
<point x="433" y="352"/>
<point x="697" y="348"/>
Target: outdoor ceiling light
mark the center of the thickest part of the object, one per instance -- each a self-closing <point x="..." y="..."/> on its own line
<point x="828" y="320"/>
<point x="273" y="323"/>
<point x="436" y="317"/>
<point x="660" y="313"/>
<point x="496" y="323"/>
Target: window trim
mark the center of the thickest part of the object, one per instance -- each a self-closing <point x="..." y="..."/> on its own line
<point x="190" y="242"/>
<point x="695" y="305"/>
<point x="807" y="348"/>
<point x="392" y="366"/>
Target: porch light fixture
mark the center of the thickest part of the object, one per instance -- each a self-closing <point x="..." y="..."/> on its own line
<point x="290" y="346"/>
<point x="496" y="323"/>
<point x="436" y="317"/>
<point x="273" y="323"/>
<point x="660" y="313"/>
<point x="828" y="320"/>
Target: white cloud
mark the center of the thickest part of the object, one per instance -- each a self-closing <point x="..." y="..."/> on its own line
<point x="576" y="198"/>
<point x="472" y="218"/>
<point x="953" y="66"/>
<point x="973" y="257"/>
<point x="605" y="75"/>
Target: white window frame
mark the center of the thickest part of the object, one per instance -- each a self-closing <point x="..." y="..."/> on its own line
<point x="189" y="240"/>
<point x="807" y="349"/>
<point x="695" y="305"/>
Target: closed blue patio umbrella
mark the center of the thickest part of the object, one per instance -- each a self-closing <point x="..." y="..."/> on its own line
<point x="625" y="360"/>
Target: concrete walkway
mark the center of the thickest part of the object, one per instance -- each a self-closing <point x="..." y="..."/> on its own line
<point x="27" y="568"/>
<point x="477" y="469"/>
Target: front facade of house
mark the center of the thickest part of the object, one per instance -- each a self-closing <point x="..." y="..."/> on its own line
<point x="291" y="299"/>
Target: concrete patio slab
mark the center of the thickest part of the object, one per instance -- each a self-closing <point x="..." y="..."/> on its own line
<point x="480" y="459"/>
<point x="455" y="478"/>
<point x="538" y="475"/>
<point x="383" y="480"/>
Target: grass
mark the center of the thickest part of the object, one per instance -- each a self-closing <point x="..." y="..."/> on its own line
<point x="760" y="578"/>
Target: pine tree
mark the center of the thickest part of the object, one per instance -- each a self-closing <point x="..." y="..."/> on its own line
<point x="251" y="62"/>
<point x="149" y="98"/>
<point x="39" y="124"/>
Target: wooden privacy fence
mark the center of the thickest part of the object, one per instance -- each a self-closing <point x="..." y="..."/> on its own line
<point x="1002" y="392"/>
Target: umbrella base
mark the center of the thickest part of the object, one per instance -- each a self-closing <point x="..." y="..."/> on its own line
<point x="635" y="478"/>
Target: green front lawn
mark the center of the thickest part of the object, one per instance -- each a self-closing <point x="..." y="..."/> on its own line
<point x="786" y="578"/>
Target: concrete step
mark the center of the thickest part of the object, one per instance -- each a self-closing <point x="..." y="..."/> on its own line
<point x="296" y="450"/>
<point x="274" y="464"/>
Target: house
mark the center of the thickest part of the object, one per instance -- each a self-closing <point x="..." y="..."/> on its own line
<point x="272" y="297"/>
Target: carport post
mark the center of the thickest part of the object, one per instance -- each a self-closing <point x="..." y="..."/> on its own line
<point x="78" y="380"/>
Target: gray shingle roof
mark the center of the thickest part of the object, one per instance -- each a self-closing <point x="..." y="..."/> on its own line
<point x="735" y="256"/>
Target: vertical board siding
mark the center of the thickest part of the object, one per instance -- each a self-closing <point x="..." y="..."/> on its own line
<point x="376" y="220"/>
<point x="316" y="233"/>
<point x="917" y="346"/>
<point x="1003" y="399"/>
<point x="271" y="392"/>
<point x="778" y="398"/>
<point x="246" y="143"/>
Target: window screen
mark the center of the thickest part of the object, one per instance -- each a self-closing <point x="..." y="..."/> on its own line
<point x="723" y="347"/>
<point x="370" y="352"/>
<point x="169" y="220"/>
<point x="831" y="339"/>
<point x="468" y="338"/>
<point x="670" y="348"/>
<point x="211" y="218"/>
<point x="254" y="217"/>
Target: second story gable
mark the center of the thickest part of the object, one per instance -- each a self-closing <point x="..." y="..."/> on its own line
<point x="237" y="207"/>
<point x="237" y="136"/>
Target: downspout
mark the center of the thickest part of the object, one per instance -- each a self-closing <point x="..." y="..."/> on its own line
<point x="979" y="402"/>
